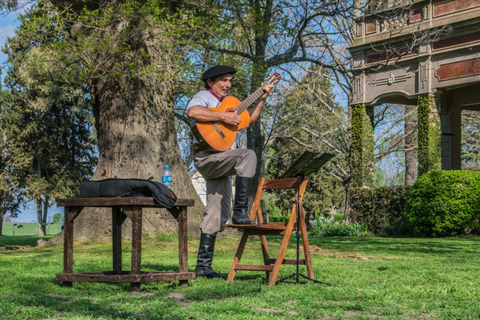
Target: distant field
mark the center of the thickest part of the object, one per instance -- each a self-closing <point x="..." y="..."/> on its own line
<point x="29" y="229"/>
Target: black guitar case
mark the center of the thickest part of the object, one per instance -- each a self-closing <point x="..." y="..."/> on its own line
<point x="114" y="187"/>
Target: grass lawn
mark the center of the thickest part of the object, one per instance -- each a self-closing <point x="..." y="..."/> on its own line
<point x="386" y="278"/>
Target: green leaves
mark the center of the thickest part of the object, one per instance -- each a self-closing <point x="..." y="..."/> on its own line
<point x="382" y="210"/>
<point x="445" y="203"/>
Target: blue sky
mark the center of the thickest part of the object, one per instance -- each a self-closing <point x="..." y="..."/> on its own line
<point x="8" y="24"/>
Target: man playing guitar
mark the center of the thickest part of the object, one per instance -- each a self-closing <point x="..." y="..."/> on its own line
<point x="217" y="167"/>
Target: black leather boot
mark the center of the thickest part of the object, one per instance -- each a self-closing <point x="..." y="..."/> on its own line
<point x="205" y="257"/>
<point x="240" y="206"/>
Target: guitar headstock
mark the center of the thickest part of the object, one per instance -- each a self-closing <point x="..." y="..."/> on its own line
<point x="274" y="78"/>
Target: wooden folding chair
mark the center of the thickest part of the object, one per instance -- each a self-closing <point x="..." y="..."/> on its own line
<point x="272" y="266"/>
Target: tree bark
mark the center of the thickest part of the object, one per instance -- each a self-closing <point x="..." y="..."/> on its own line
<point x="40" y="226"/>
<point x="45" y="215"/>
<point x="348" y="217"/>
<point x="255" y="138"/>
<point x="369" y="146"/>
<point x="410" y="146"/>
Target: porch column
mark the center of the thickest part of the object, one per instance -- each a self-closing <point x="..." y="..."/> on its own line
<point x="429" y="150"/>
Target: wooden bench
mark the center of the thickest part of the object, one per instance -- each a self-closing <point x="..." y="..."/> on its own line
<point x="123" y="207"/>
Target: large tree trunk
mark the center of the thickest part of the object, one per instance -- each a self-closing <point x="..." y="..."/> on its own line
<point x="45" y="215"/>
<point x="348" y="216"/>
<point x="40" y="226"/>
<point x="255" y="138"/>
<point x="410" y="146"/>
<point x="2" y="216"/>
<point x="136" y="135"/>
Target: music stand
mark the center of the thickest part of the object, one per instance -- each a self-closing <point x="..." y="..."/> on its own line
<point x="307" y="163"/>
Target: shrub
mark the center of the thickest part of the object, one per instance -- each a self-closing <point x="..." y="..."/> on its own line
<point x="338" y="217"/>
<point x="277" y="216"/>
<point x="381" y="210"/>
<point x="445" y="203"/>
<point x="329" y="227"/>
<point x="342" y="230"/>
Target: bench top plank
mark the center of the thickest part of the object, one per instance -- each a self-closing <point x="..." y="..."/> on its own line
<point x="120" y="201"/>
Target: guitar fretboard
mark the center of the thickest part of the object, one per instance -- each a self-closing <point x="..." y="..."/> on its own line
<point x="247" y="102"/>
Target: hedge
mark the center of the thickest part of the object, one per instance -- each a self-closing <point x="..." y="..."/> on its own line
<point x="445" y="203"/>
<point x="381" y="210"/>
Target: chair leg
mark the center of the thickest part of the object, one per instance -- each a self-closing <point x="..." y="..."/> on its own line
<point x="306" y="246"/>
<point x="266" y="256"/>
<point x="280" y="256"/>
<point x="238" y="256"/>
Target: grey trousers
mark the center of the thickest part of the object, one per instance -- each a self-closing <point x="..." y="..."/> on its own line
<point x="217" y="169"/>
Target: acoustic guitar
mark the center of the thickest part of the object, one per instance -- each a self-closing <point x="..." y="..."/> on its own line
<point x="221" y="136"/>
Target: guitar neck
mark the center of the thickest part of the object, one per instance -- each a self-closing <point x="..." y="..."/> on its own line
<point x="247" y="102"/>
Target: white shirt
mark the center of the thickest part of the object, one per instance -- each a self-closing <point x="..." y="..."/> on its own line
<point x="205" y="98"/>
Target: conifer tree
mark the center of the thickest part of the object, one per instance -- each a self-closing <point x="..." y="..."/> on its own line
<point x="11" y="199"/>
<point x="47" y="125"/>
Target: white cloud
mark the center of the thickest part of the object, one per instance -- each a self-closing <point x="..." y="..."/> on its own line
<point x="6" y="31"/>
<point x="9" y="22"/>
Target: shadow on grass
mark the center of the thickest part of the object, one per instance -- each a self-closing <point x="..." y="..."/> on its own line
<point x="33" y="293"/>
<point x="80" y="307"/>
<point x="21" y="240"/>
<point x="206" y="289"/>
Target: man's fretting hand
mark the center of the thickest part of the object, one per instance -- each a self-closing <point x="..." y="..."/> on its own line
<point x="267" y="90"/>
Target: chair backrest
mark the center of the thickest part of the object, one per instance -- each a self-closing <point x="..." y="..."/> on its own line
<point x="298" y="184"/>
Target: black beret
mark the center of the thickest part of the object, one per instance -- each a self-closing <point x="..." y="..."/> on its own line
<point x="214" y="72"/>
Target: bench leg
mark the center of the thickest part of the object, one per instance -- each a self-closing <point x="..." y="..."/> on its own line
<point x="118" y="217"/>
<point x="136" y="246"/>
<point x="68" y="245"/>
<point x="183" y="244"/>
